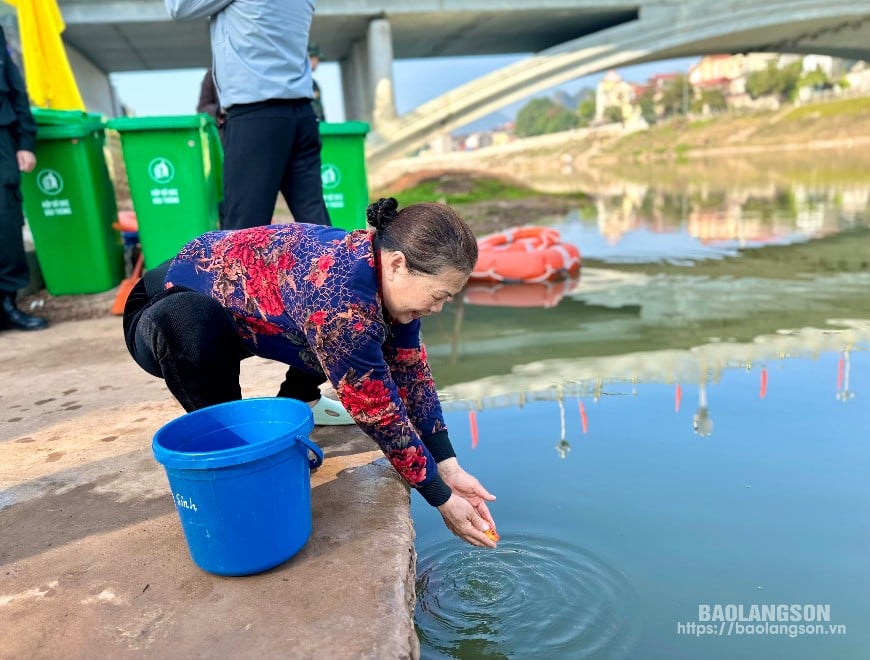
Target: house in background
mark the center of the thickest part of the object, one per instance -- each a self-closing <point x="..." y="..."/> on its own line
<point x="614" y="92"/>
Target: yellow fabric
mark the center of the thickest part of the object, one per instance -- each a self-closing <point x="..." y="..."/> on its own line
<point x="47" y="71"/>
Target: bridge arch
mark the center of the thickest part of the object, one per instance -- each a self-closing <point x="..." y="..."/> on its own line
<point x="831" y="27"/>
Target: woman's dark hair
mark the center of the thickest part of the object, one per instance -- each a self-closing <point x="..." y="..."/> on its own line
<point x="431" y="236"/>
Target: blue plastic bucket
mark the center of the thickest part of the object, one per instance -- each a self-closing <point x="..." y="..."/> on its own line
<point x="240" y="476"/>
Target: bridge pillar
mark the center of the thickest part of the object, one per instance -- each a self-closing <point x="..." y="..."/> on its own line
<point x="94" y="85"/>
<point x="380" y="50"/>
<point x="355" y="82"/>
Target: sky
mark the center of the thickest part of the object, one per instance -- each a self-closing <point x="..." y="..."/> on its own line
<point x="416" y="81"/>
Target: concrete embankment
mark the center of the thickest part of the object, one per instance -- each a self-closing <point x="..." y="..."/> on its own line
<point x="93" y="559"/>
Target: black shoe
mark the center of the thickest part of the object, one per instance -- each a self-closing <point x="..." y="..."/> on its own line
<point x="12" y="318"/>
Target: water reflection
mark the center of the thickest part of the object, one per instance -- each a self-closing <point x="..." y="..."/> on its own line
<point x="640" y="223"/>
<point x="594" y="377"/>
<point x="701" y="422"/>
<point x="843" y="368"/>
<point x="526" y="294"/>
<point x="639" y="319"/>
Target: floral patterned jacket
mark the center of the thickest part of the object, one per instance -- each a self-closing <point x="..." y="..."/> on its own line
<point x="308" y="296"/>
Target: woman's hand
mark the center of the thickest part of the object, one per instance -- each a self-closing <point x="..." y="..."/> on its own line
<point x="26" y="160"/>
<point x="467" y="487"/>
<point x="463" y="520"/>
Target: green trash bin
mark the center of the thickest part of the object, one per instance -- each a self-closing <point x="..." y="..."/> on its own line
<point x="173" y="168"/>
<point x="343" y="173"/>
<point x="69" y="202"/>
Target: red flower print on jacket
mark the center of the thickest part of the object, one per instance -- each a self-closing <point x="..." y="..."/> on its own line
<point x="366" y="398"/>
<point x="245" y="247"/>
<point x="320" y="269"/>
<point x="407" y="356"/>
<point x="318" y="318"/>
<point x="261" y="286"/>
<point x="286" y="261"/>
<point x="261" y="327"/>
<point x="410" y="463"/>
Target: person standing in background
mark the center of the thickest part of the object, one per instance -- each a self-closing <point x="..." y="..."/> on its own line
<point x="211" y="105"/>
<point x="208" y="99"/>
<point x="316" y="102"/>
<point x="263" y="78"/>
<point x="17" y="154"/>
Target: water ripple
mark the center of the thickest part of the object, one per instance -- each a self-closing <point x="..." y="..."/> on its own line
<point x="531" y="597"/>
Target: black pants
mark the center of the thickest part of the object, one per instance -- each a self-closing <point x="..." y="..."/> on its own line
<point x="14" y="273"/>
<point x="272" y="146"/>
<point x="191" y="341"/>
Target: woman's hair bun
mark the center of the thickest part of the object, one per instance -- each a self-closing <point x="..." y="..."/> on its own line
<point x="382" y="212"/>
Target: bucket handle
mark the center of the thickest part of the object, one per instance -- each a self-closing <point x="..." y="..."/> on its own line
<point x="317" y="451"/>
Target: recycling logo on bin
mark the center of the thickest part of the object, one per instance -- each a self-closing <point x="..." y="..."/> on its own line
<point x="330" y="176"/>
<point x="50" y="182"/>
<point x="161" y="170"/>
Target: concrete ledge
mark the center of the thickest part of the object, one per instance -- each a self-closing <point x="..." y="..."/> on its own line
<point x="93" y="559"/>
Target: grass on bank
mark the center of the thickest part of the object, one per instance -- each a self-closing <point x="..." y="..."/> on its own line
<point x="675" y="139"/>
<point x="855" y="106"/>
<point x="455" y="188"/>
<point x="487" y="203"/>
<point x="459" y="188"/>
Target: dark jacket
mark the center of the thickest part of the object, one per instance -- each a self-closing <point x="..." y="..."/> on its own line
<point x="14" y="104"/>
<point x="317" y="103"/>
<point x="208" y="98"/>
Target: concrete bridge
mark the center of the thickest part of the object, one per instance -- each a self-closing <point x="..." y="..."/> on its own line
<point x="571" y="38"/>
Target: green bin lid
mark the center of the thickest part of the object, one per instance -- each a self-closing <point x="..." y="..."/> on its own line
<point x="344" y="128"/>
<point x="66" y="131"/>
<point x="49" y="117"/>
<point x="159" y="123"/>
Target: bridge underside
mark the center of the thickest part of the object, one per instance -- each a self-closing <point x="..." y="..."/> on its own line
<point x="123" y="35"/>
<point x="120" y="36"/>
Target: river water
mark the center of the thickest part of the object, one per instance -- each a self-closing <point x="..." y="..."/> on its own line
<point x="679" y="439"/>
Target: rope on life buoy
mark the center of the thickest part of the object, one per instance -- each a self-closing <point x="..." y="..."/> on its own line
<point x="525" y="254"/>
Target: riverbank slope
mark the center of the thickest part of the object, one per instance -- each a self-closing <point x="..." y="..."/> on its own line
<point x="808" y="142"/>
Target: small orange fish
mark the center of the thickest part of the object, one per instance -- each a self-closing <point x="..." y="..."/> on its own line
<point x="492" y="534"/>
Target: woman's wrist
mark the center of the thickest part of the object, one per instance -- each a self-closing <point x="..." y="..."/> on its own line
<point x="448" y="466"/>
<point x="436" y="492"/>
<point x="441" y="506"/>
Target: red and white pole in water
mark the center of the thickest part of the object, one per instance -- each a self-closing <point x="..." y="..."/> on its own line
<point x="583" y="419"/>
<point x="678" y="396"/>
<point x="763" y="391"/>
<point x="472" y="422"/>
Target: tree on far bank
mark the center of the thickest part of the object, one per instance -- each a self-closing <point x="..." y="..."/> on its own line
<point x="779" y="82"/>
<point x="710" y="100"/>
<point x="817" y="79"/>
<point x="647" y="104"/>
<point x="613" y="114"/>
<point x="675" y="96"/>
<point x="586" y="108"/>
<point x="540" y="116"/>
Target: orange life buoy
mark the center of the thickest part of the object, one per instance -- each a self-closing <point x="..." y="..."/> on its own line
<point x="525" y="254"/>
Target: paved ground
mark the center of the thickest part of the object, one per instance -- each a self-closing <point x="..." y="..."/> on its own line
<point x="93" y="562"/>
